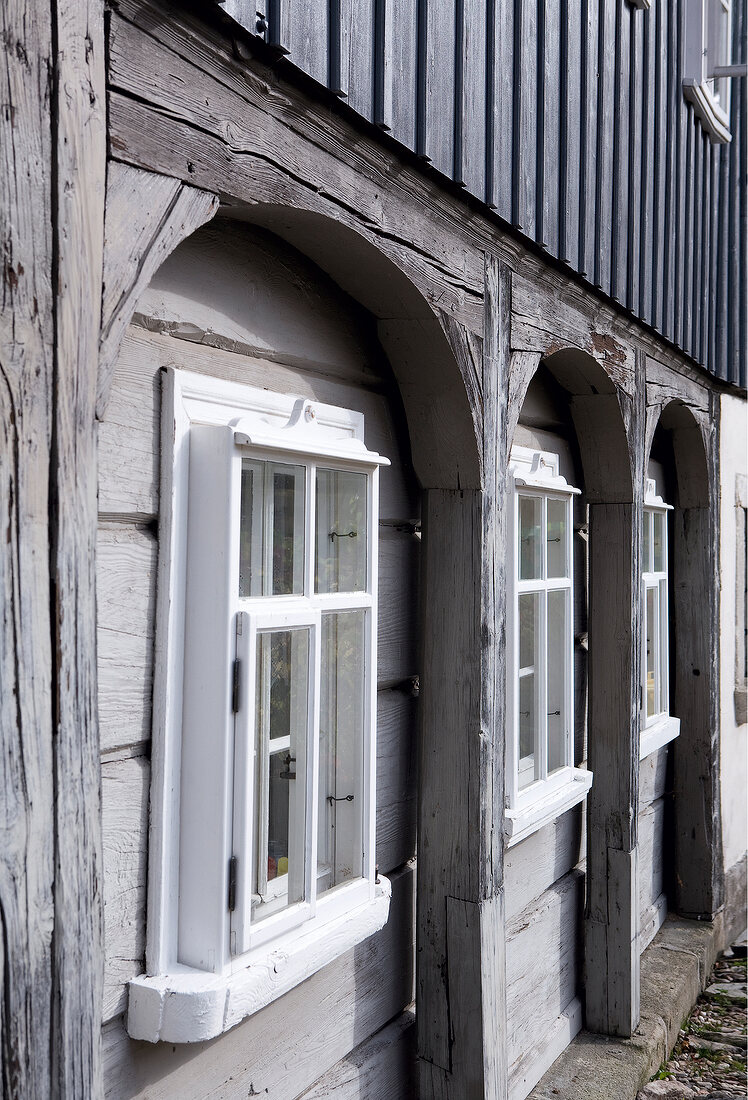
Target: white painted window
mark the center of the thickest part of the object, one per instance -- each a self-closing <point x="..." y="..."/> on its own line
<point x="707" y="64"/>
<point x="541" y="780"/>
<point x="263" y="799"/>
<point x="658" y="727"/>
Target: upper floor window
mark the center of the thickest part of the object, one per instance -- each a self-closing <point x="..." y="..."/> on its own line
<point x="542" y="780"/>
<point x="707" y="60"/>
<point x="657" y="726"/>
<point x="263" y="803"/>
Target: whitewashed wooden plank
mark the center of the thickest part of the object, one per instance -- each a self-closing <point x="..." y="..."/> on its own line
<point x="126" y="602"/>
<point x="651" y="853"/>
<point x="282" y="1050"/>
<point x="129" y="433"/>
<point x="533" y="865"/>
<point x="124" y="808"/>
<point x="543" y="964"/>
<point x="652" y="777"/>
<point x="382" y="1066"/>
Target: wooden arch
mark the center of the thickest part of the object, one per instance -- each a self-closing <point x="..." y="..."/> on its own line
<point x="609" y="427"/>
<point x="450" y="383"/>
<point x="698" y="873"/>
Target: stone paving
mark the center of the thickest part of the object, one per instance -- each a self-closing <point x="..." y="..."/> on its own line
<point x="709" y="1059"/>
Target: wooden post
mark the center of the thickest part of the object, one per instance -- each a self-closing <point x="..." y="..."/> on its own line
<point x="460" y="959"/>
<point x="699" y="872"/>
<point x="52" y="133"/>
<point x="615" y="488"/>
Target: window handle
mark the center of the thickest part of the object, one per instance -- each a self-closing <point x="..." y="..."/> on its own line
<point x="346" y="798"/>
<point x="287" y="773"/>
<point x="348" y="535"/>
<point x="553" y="712"/>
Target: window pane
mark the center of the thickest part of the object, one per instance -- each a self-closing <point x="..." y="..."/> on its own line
<point x="529" y="634"/>
<point x="271" y="537"/>
<point x="556" y="538"/>
<point x="341" y="739"/>
<point x="558" y="656"/>
<point x="647" y="543"/>
<point x="341" y="531"/>
<point x="282" y="721"/>
<point x="651" y="626"/>
<point x="663" y="657"/>
<point x="659" y="542"/>
<point x="529" y="549"/>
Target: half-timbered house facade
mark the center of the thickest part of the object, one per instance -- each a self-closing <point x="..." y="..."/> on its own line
<point x="374" y="486"/>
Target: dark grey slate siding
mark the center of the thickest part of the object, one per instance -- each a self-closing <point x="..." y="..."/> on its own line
<point x="567" y="117"/>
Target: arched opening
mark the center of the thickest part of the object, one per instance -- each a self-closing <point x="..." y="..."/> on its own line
<point x="680" y="445"/>
<point x="603" y="420"/>
<point x="318" y="341"/>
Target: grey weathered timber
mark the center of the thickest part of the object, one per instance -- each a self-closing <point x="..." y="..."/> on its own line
<point x="460" y="978"/>
<point x="26" y="383"/>
<point x="698" y="831"/>
<point x="147" y="215"/>
<point x="614" y="492"/>
<point x="52" y="225"/>
<point x="78" y="207"/>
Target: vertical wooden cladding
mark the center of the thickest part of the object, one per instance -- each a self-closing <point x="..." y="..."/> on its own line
<point x="568" y="118"/>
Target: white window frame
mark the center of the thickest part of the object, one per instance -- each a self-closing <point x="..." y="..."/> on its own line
<point x="661" y="727"/>
<point x="706" y="83"/>
<point x="536" y="473"/>
<point x="208" y="967"/>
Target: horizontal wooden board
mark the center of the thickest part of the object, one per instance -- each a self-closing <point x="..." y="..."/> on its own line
<point x="533" y="865"/>
<point x="129" y="434"/>
<point x="124" y="801"/>
<point x="543" y="966"/>
<point x="383" y="1066"/>
<point x="651" y="855"/>
<point x="653" y="777"/>
<point x="125" y="593"/>
<point x="282" y="1050"/>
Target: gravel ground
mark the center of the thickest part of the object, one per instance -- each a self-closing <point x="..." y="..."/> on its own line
<point x="709" y="1059"/>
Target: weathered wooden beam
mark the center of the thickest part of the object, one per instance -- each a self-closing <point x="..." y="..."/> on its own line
<point x="78" y="218"/>
<point x="699" y="870"/>
<point x="461" y="979"/>
<point x="147" y="215"/>
<point x="53" y="193"/>
<point x="26" y="386"/>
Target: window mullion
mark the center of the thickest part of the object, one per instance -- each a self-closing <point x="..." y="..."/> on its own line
<point x="542" y="662"/>
<point x="313" y="756"/>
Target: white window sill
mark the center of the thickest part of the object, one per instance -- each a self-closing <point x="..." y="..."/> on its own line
<point x="659" y="734"/>
<point x="190" y="1006"/>
<point x="522" y="822"/>
<point x="708" y="110"/>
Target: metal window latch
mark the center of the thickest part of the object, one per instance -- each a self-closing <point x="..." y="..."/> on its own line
<point x="348" y="535"/>
<point x="346" y="798"/>
<point x="232" y="883"/>
<point x="288" y="760"/>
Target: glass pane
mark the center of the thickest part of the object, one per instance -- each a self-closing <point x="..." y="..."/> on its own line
<point x="282" y="694"/>
<point x="659" y="542"/>
<point x="556" y="538"/>
<point x="647" y="542"/>
<point x="529" y="549"/>
<point x="558" y="656"/>
<point x="341" y="739"/>
<point x="529" y="635"/>
<point x="651" y="651"/>
<point x="341" y="531"/>
<point x="271" y="535"/>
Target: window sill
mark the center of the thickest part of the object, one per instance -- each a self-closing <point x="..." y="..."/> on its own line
<point x="521" y="823"/>
<point x="713" y="119"/>
<point x="654" y="737"/>
<point x="190" y="1006"/>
